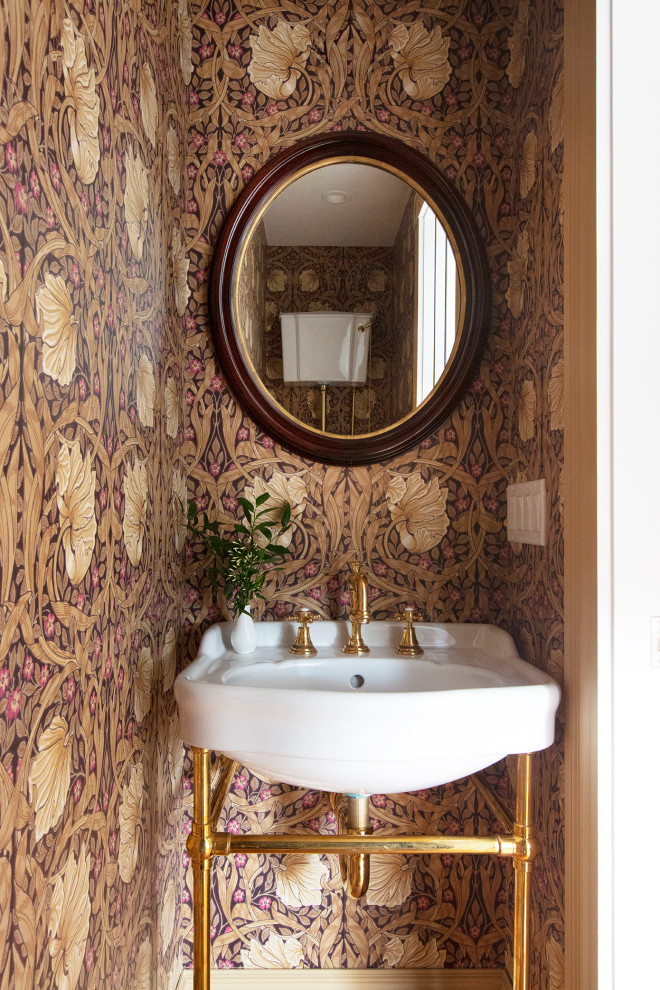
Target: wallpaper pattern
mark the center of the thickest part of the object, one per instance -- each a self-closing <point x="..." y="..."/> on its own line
<point x="477" y="87"/>
<point x="91" y="416"/>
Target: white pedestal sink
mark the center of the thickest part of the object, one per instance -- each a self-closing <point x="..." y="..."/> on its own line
<point x="362" y="725"/>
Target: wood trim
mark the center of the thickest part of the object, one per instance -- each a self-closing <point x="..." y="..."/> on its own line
<point x="354" y="979"/>
<point x="580" y="534"/>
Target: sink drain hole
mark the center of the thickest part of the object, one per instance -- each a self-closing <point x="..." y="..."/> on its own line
<point x="356" y="681"/>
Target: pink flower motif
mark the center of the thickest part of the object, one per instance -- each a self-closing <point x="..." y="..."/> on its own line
<point x="315" y="115"/>
<point x="34" y="184"/>
<point x="382" y="570"/>
<point x="112" y="838"/>
<point x="235" y="51"/>
<point x="311" y="569"/>
<point x="191" y="206"/>
<point x="89" y="958"/>
<point x="216" y="384"/>
<point x="77" y="790"/>
<point x="50" y="218"/>
<point x="219" y="157"/>
<point x="116" y="496"/>
<point x="265" y="793"/>
<point x="234" y="827"/>
<point x="4" y="681"/>
<point x="247" y="172"/>
<point x="239" y="895"/>
<point x="344" y="597"/>
<point x="21" y="198"/>
<point x="383" y="115"/>
<point x="49" y="625"/>
<point x="240" y="782"/>
<point x="247" y="99"/>
<point x="92" y="761"/>
<point x="205" y="52"/>
<point x="120" y="678"/>
<point x="80" y="601"/>
<point x="240" y="859"/>
<point x="316" y="594"/>
<point x="448" y="553"/>
<point x="448" y="896"/>
<point x="28" y="667"/>
<point x="310" y="798"/>
<point x="107" y="669"/>
<point x="44" y="675"/>
<point x="55" y="176"/>
<point x="69" y="689"/>
<point x="227" y="963"/>
<point x="215" y="469"/>
<point x="11" y="161"/>
<point x="423" y="902"/>
<point x="315" y="824"/>
<point x="14" y="704"/>
<point x="379" y="800"/>
<point x="271" y="109"/>
<point x="476" y="614"/>
<point x="242" y="433"/>
<point x="197" y="140"/>
<point x="220" y="17"/>
<point x="264" y="903"/>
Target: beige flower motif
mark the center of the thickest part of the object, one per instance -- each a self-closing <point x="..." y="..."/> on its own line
<point x="167" y="915"/>
<point x="148" y="102"/>
<point x="171" y="408"/>
<point x="377" y="280"/>
<point x="75" y="500"/>
<point x="526" y="410"/>
<point x="276" y="280"/>
<point x="278" y="58"/>
<point x="275" y="953"/>
<point x="555" y="959"/>
<point x="142" y="684"/>
<point x="274" y="368"/>
<point x="528" y="164"/>
<point x="421" y="58"/>
<point x="412" y="953"/>
<point x="365" y="400"/>
<point x="391" y="880"/>
<point x="516" y="66"/>
<point x="556" y="114"/>
<point x="517" y="269"/>
<point x="50" y="776"/>
<point x="130" y="823"/>
<point x="299" y="879"/>
<point x="135" y="510"/>
<point x="418" y="510"/>
<point x="59" y="332"/>
<point x="68" y="921"/>
<point x="556" y="396"/>
<point x="185" y="41"/>
<point x="173" y="159"/>
<point x="146" y="391"/>
<point x="179" y="498"/>
<point x="169" y="658"/>
<point x="82" y="103"/>
<point x="142" y="979"/>
<point x="308" y="280"/>
<point x="378" y="368"/>
<point x="180" y="264"/>
<point x="175" y="753"/>
<point x="136" y="201"/>
<point x="281" y="488"/>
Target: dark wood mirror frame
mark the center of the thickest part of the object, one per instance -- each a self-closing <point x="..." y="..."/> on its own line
<point x="459" y="373"/>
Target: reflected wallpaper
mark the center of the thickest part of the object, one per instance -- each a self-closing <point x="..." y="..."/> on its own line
<point x="127" y="129"/>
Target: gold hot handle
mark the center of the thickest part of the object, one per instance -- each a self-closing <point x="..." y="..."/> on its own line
<point x="409" y="647"/>
<point x="303" y="646"/>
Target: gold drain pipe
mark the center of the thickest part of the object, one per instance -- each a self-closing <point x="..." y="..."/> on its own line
<point x="352" y="812"/>
<point x="204" y="843"/>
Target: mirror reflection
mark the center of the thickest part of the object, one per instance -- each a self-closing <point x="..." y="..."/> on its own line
<point x="348" y="299"/>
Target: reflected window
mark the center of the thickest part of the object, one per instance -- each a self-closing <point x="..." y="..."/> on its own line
<point x="436" y="301"/>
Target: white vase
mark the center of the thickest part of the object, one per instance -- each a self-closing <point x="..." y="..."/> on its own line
<point x="243" y="634"/>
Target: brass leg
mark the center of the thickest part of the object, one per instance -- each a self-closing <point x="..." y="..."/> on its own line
<point x="524" y="834"/>
<point x="200" y="849"/>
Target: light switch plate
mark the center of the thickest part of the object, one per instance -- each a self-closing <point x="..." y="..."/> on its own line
<point x="526" y="513"/>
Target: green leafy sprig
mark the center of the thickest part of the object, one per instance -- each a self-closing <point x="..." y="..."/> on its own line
<point x="241" y="559"/>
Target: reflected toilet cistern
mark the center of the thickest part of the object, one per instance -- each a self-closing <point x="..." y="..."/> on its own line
<point x="359" y="610"/>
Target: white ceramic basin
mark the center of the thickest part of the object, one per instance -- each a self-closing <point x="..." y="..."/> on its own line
<point x="362" y="725"/>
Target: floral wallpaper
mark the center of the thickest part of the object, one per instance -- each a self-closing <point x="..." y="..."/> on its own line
<point x="92" y="129"/>
<point x="344" y="279"/>
<point x="477" y="87"/>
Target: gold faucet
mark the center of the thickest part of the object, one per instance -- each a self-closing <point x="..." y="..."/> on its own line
<point x="359" y="611"/>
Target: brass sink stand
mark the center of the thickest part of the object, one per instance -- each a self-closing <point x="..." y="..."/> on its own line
<point x="204" y="844"/>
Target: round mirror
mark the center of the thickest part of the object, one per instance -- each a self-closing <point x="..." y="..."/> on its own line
<point x="349" y="298"/>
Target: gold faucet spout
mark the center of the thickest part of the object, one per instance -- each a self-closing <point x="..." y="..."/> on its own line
<point x="359" y="610"/>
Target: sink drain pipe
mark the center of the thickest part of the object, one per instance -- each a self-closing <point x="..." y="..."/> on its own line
<point x="353" y="817"/>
